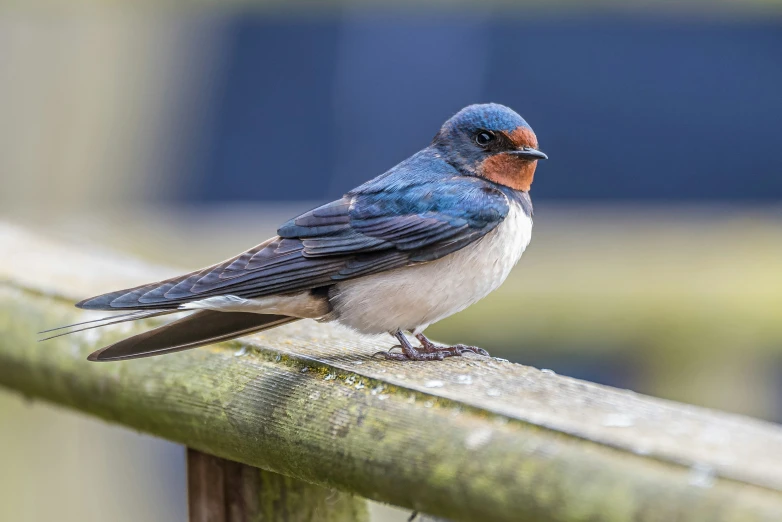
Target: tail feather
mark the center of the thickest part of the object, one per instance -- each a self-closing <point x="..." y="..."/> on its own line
<point x="106" y="321"/>
<point x="120" y="316"/>
<point x="198" y="329"/>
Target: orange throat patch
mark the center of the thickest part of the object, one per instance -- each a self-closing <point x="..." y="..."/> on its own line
<point x="509" y="170"/>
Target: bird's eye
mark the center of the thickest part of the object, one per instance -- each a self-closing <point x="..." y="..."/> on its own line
<point x="483" y="138"/>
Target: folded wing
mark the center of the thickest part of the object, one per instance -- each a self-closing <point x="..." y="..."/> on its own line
<point x="363" y="233"/>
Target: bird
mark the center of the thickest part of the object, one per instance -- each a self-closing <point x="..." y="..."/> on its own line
<point x="418" y="243"/>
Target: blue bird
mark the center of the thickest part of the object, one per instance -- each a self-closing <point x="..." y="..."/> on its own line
<point x="423" y="241"/>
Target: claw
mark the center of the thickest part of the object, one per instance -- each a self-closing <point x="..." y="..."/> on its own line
<point x="449" y="351"/>
<point x="473" y="349"/>
<point x="391" y="356"/>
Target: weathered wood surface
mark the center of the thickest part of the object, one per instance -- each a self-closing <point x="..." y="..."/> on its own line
<point x="469" y="438"/>
<point x="220" y="490"/>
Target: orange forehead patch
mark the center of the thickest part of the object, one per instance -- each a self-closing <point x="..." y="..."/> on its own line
<point x="511" y="171"/>
<point x="524" y="137"/>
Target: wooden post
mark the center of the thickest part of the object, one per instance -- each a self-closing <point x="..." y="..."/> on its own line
<point x="220" y="490"/>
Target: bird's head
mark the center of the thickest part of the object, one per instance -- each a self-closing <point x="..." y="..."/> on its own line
<point x="493" y="142"/>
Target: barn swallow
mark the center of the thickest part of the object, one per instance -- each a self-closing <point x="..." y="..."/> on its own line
<point x="416" y="244"/>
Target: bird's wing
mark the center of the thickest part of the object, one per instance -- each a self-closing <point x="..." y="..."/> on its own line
<point x="365" y="232"/>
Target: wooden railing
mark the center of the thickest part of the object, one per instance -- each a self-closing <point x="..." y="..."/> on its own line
<point x="471" y="438"/>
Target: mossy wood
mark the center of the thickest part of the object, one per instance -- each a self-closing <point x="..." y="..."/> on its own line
<point x="471" y="438"/>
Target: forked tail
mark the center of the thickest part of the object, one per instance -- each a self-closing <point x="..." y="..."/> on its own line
<point x="197" y="329"/>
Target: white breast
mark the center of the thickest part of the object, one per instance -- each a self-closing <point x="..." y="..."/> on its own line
<point x="412" y="298"/>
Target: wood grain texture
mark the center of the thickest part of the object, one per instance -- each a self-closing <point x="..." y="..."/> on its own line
<point x="221" y="490"/>
<point x="469" y="438"/>
<point x="206" y="488"/>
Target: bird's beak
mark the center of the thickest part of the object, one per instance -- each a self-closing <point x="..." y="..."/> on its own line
<point x="529" y="153"/>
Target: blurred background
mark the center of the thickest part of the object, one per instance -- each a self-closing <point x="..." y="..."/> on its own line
<point x="184" y="134"/>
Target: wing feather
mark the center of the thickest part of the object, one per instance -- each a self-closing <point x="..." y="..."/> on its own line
<point x="365" y="232"/>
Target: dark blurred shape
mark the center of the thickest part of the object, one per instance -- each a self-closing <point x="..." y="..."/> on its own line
<point x="273" y="130"/>
<point x="629" y="108"/>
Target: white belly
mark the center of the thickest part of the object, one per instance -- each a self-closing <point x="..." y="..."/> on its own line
<point x="412" y="298"/>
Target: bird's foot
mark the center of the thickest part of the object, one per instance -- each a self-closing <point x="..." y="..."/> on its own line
<point x="428" y="351"/>
<point x="457" y="349"/>
<point x="414" y="354"/>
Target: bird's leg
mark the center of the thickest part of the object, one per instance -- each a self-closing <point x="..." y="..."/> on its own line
<point x="457" y="349"/>
<point x="428" y="350"/>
